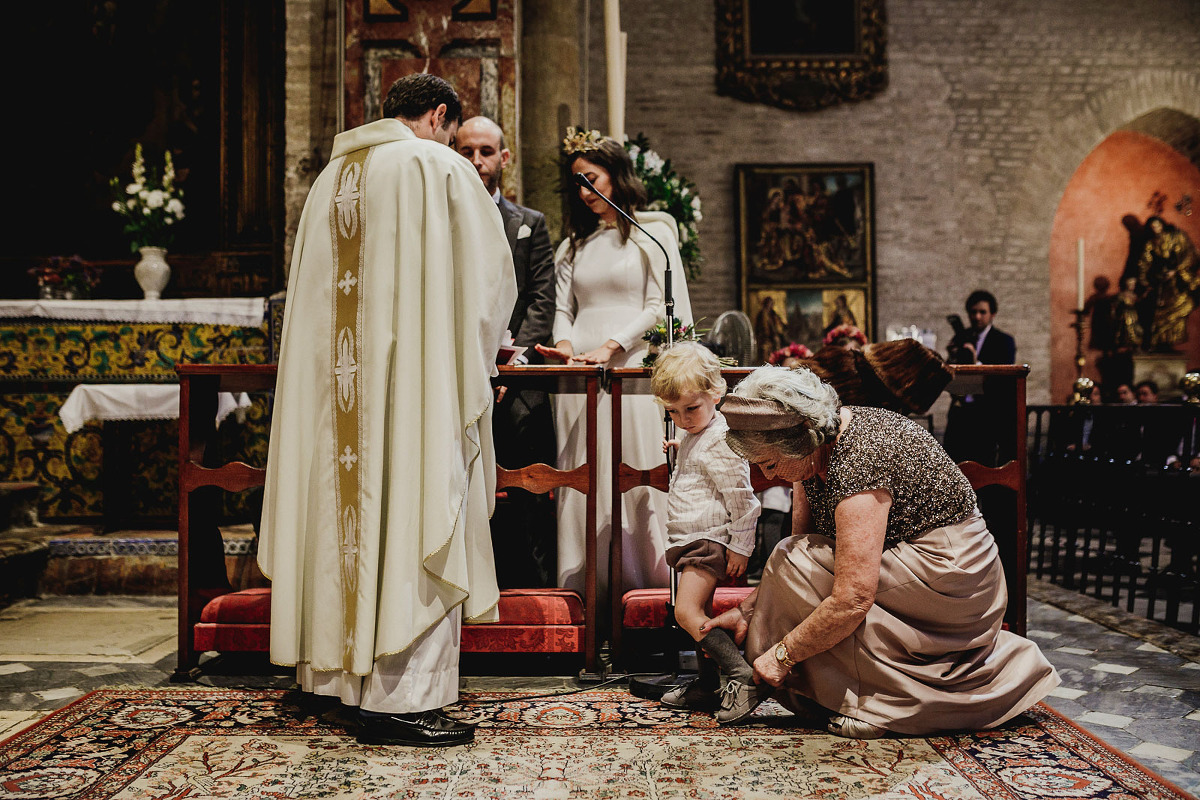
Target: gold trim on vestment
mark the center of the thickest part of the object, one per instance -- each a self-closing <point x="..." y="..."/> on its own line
<point x="347" y="223"/>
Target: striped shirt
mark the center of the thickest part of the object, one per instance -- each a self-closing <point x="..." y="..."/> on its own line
<point x="710" y="496"/>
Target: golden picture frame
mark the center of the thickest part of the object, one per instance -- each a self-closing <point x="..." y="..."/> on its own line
<point x="802" y="56"/>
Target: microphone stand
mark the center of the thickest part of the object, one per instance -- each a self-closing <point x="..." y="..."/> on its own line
<point x="656" y="686"/>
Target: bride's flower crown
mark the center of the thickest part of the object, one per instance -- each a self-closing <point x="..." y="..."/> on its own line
<point x="581" y="141"/>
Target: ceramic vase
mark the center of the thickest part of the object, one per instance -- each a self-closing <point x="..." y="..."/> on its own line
<point x="59" y="292"/>
<point x="152" y="272"/>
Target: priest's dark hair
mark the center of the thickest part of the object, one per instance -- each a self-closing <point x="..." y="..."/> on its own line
<point x="628" y="193"/>
<point x="413" y="95"/>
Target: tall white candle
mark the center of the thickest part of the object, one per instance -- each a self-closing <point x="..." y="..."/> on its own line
<point x="614" y="72"/>
<point x="1079" y="273"/>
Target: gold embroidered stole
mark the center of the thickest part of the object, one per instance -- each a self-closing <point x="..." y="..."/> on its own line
<point x="347" y="216"/>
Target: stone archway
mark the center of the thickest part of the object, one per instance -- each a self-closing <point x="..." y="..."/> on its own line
<point x="1128" y="177"/>
<point x="1054" y="161"/>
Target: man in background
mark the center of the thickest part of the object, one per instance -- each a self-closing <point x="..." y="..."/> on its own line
<point x="1146" y="393"/>
<point x="380" y="475"/>
<point x="978" y="427"/>
<point x="523" y="527"/>
<point x="982" y="427"/>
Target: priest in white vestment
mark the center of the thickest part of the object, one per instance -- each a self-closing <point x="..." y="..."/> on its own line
<point x="381" y="474"/>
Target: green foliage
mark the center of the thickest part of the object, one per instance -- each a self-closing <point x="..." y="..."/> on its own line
<point x="670" y="192"/>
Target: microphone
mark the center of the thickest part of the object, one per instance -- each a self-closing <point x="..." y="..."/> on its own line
<point x="668" y="296"/>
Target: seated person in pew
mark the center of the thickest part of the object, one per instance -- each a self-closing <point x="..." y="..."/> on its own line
<point x="886" y="607"/>
<point x="711" y="517"/>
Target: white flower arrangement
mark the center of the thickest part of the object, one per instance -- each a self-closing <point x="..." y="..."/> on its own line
<point x="150" y="206"/>
<point x="673" y="194"/>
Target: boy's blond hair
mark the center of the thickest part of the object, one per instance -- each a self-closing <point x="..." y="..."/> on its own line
<point x="684" y="367"/>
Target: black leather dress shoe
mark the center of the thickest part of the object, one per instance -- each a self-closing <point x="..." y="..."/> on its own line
<point x="420" y="729"/>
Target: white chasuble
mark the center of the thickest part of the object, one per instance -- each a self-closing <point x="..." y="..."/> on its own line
<point x="380" y="473"/>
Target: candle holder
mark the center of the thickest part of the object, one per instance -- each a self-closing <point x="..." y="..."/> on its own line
<point x="1190" y="385"/>
<point x="1079" y="314"/>
<point x="1081" y="392"/>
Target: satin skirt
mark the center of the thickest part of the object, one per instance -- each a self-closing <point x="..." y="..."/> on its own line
<point x="930" y="656"/>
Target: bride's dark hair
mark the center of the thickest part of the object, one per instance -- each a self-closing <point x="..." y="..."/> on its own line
<point x="628" y="193"/>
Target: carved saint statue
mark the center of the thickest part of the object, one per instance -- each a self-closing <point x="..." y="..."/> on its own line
<point x="1127" y="328"/>
<point x="1168" y="281"/>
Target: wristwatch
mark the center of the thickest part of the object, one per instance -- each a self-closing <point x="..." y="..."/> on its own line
<point x="781" y="655"/>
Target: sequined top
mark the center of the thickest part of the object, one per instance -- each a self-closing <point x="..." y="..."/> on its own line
<point x="880" y="449"/>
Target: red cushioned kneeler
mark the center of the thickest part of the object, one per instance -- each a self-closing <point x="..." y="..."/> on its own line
<point x="236" y="622"/>
<point x="531" y="621"/>
<point x="647" y="608"/>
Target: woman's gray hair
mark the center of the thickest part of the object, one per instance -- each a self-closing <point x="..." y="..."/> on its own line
<point x="798" y="391"/>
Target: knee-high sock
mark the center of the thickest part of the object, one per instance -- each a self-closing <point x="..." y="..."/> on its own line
<point x="720" y="646"/>
<point x="708" y="676"/>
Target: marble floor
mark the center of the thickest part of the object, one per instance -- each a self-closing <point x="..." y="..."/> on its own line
<point x="1131" y="682"/>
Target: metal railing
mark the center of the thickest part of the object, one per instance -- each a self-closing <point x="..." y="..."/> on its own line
<point x="1114" y="505"/>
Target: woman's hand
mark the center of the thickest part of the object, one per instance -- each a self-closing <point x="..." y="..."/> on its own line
<point x="601" y="355"/>
<point x="561" y="352"/>
<point x="732" y="620"/>
<point x="768" y="669"/>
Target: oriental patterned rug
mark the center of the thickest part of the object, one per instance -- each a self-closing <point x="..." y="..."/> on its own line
<point x="200" y="743"/>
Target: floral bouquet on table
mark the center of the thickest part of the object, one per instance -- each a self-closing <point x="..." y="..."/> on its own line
<point x="66" y="278"/>
<point x="672" y="193"/>
<point x="151" y="205"/>
<point x="657" y="339"/>
<point x="793" y="352"/>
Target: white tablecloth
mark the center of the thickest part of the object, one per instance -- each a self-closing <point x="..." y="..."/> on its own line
<point x="117" y="401"/>
<point x="247" y="312"/>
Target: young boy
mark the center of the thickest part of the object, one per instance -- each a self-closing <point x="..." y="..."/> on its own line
<point x="711" y="516"/>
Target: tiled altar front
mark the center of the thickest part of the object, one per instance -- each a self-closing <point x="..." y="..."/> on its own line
<point x="43" y="358"/>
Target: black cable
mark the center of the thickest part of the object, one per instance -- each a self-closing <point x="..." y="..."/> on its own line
<point x="623" y="677"/>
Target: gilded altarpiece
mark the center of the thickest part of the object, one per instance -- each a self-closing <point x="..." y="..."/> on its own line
<point x="470" y="43"/>
<point x="41" y="361"/>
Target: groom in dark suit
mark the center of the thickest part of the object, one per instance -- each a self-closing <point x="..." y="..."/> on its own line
<point x="523" y="530"/>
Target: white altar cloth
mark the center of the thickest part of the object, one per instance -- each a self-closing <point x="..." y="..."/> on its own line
<point x="125" y="401"/>
<point x="247" y="312"/>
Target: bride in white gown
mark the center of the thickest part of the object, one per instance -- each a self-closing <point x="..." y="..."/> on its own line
<point x="609" y="292"/>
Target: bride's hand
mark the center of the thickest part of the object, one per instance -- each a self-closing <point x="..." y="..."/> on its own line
<point x="601" y="355"/>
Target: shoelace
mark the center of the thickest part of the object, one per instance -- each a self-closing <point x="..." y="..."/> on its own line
<point x="729" y="693"/>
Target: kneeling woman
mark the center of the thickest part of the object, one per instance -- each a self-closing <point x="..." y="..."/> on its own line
<point x="886" y="606"/>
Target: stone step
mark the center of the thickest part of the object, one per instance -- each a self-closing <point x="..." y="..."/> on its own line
<point x="18" y="504"/>
<point x="87" y="562"/>
<point x="24" y="553"/>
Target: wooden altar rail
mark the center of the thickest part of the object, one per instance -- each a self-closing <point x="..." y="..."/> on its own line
<point x="967" y="379"/>
<point x="202" y="573"/>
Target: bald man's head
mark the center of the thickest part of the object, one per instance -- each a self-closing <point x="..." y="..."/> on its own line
<point x="481" y="141"/>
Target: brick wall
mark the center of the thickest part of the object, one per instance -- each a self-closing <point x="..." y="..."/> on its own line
<point x="989" y="109"/>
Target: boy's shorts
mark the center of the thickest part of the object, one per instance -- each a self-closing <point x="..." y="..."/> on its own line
<point x="702" y="554"/>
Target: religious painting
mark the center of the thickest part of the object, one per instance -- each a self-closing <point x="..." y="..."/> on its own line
<point x="470" y="43"/>
<point x="783" y="316"/>
<point x="802" y="55"/>
<point x="805" y="224"/>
